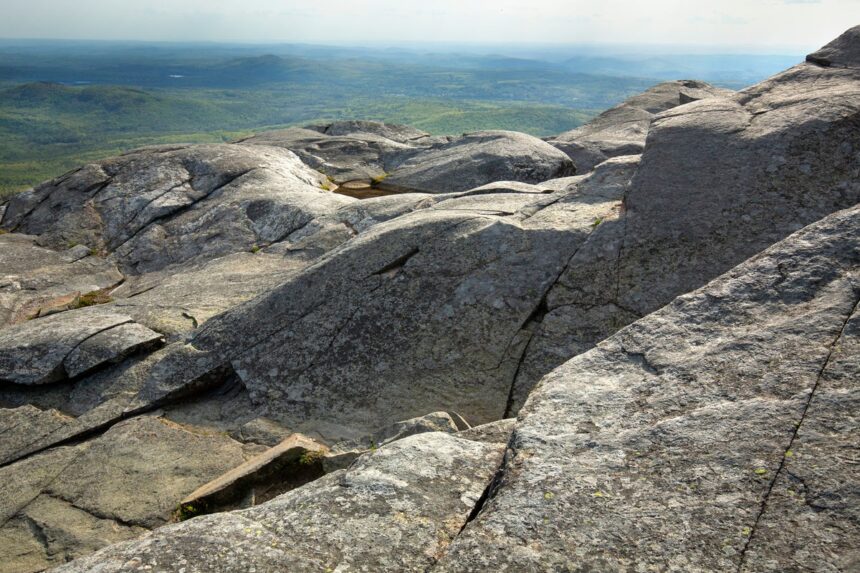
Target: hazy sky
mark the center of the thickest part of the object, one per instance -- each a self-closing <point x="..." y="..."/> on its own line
<point x="736" y="24"/>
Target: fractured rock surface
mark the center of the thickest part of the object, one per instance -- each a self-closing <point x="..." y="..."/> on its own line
<point x="35" y="281"/>
<point x="395" y="509"/>
<point x="68" y="344"/>
<point x="168" y="315"/>
<point x="163" y="206"/>
<point x="720" y="180"/>
<point x="677" y="443"/>
<point x="72" y="500"/>
<point x="405" y="159"/>
<point x="622" y="130"/>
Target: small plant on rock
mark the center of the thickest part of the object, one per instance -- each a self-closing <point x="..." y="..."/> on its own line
<point x="93" y="298"/>
<point x="374" y="181"/>
<point x="186" y="511"/>
<point x="310" y="458"/>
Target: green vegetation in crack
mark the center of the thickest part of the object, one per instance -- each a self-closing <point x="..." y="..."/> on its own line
<point x="185" y="511"/>
<point x="93" y="298"/>
<point x="374" y="181"/>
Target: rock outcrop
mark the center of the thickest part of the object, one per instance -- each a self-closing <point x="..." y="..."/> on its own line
<point x="720" y="180"/>
<point x="622" y="130"/>
<point x="713" y="435"/>
<point x="74" y="499"/>
<point x="172" y="318"/>
<point x="68" y="345"/>
<point x="36" y="281"/>
<point x="476" y="159"/>
<point x="688" y="441"/>
<point x="165" y="206"/>
<point x="396" y="509"/>
<point x="349" y="150"/>
<point x="400" y="159"/>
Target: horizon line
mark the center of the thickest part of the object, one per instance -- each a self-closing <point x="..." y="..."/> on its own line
<point x="709" y="49"/>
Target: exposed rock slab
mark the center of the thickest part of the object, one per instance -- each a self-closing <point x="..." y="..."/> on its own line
<point x="111" y="345"/>
<point x="495" y="432"/>
<point x="442" y="294"/>
<point x="35" y="281"/>
<point x="810" y="518"/>
<point x="22" y="426"/>
<point x="768" y="161"/>
<point x="287" y="308"/>
<point x="163" y="206"/>
<point x="843" y="52"/>
<point x="363" y="151"/>
<point x="395" y="509"/>
<point x="71" y="500"/>
<point x="622" y="130"/>
<point x="480" y="158"/>
<point x="66" y="345"/>
<point x="349" y="150"/>
<point x="392" y="131"/>
<point x="261" y="470"/>
<point x="660" y="447"/>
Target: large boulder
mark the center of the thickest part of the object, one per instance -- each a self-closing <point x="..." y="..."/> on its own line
<point x="622" y="130"/>
<point x="479" y="158"/>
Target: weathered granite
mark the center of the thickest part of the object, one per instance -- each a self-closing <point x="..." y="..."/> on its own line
<point x="75" y="499"/>
<point x="395" y="509"/>
<point x="675" y="443"/>
<point x="622" y="130"/>
<point x="480" y="158"/>
<point x="720" y="180"/>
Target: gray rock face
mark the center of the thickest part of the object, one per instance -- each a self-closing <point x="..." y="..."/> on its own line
<point x="843" y="52"/>
<point x="261" y="478"/>
<point x="434" y="422"/>
<point x="622" y="129"/>
<point x="164" y="206"/>
<point x="348" y="150"/>
<point x="685" y="441"/>
<point x="393" y="132"/>
<point x="35" y="281"/>
<point x="282" y="308"/>
<point x="479" y="158"/>
<point x="401" y="158"/>
<point x="68" y="344"/>
<point x="427" y="312"/>
<point x="72" y="500"/>
<point x="793" y="158"/>
<point x="395" y="509"/>
<point x="768" y="161"/>
<point x="470" y="335"/>
<point x="495" y="432"/>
